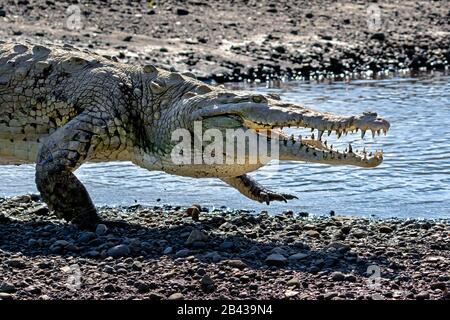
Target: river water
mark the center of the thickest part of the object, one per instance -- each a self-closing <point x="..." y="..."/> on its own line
<point x="413" y="181"/>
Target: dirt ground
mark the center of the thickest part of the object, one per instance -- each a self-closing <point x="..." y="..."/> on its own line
<point x="239" y="40"/>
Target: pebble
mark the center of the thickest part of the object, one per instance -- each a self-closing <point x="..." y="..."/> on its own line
<point x="358" y="233"/>
<point x="142" y="287"/>
<point x="7" y="287"/>
<point x="176" y="296"/>
<point x="17" y="263"/>
<point x="182" y="253"/>
<point x="276" y="259"/>
<point x="182" y="12"/>
<point x="207" y="281"/>
<point x="194" y="212"/>
<point x="195" y="236"/>
<point x="385" y="229"/>
<point x="86" y="236"/>
<point x="226" y="245"/>
<point x="424" y="295"/>
<point x="298" y="256"/>
<point x="237" y="264"/>
<point x="291" y="293"/>
<point x="337" y="276"/>
<point x="5" y="296"/>
<point x="157" y="296"/>
<point x="168" y="250"/>
<point x="436" y="285"/>
<point x="377" y="296"/>
<point x="101" y="230"/>
<point x="120" y="250"/>
<point x="295" y="281"/>
<point x="312" y="234"/>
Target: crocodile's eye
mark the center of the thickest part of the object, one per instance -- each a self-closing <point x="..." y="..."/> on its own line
<point x="257" y="99"/>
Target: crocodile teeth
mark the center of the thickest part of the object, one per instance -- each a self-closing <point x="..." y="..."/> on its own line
<point x="319" y="136"/>
<point x="363" y="133"/>
<point x="350" y="150"/>
<point x="373" y="134"/>
<point x="329" y="132"/>
<point x="339" y="134"/>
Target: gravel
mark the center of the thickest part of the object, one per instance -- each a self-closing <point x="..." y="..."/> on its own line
<point x="146" y="256"/>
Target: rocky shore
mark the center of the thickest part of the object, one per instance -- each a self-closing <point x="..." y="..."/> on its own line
<point x="174" y="253"/>
<point x="245" y="40"/>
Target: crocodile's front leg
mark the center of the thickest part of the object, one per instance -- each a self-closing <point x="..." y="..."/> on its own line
<point x="253" y="190"/>
<point x="61" y="153"/>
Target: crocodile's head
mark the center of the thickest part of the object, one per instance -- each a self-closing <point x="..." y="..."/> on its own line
<point x="268" y="115"/>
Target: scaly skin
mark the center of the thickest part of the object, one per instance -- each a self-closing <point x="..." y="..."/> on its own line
<point x="61" y="107"/>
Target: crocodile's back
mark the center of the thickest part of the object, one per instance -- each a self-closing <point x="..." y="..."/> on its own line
<point x="40" y="89"/>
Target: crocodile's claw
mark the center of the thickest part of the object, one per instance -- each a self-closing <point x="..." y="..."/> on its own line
<point x="267" y="196"/>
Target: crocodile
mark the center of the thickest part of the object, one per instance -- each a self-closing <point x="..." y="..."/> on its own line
<point x="61" y="107"/>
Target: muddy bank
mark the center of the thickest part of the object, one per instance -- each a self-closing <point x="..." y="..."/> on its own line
<point x="245" y="40"/>
<point x="172" y="253"/>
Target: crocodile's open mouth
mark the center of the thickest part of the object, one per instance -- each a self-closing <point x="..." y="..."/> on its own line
<point x="314" y="146"/>
<point x="269" y="117"/>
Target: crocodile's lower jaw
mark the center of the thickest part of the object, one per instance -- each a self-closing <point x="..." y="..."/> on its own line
<point x="309" y="149"/>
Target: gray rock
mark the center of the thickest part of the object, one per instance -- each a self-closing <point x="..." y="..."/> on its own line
<point x="5" y="296"/>
<point x="86" y="236"/>
<point x="142" y="287"/>
<point x="298" y="256"/>
<point x="168" y="250"/>
<point x="436" y="285"/>
<point x="182" y="253"/>
<point x="207" y="281"/>
<point x="276" y="259"/>
<point x="358" y="233"/>
<point x="226" y="245"/>
<point x="236" y="263"/>
<point x="176" y="296"/>
<point x="7" y="287"/>
<point x="295" y="281"/>
<point x="196" y="235"/>
<point x="17" y="263"/>
<point x="337" y="276"/>
<point x="291" y="293"/>
<point x="156" y="296"/>
<point x="101" y="230"/>
<point x="350" y="278"/>
<point x="424" y="295"/>
<point x="385" y="229"/>
<point x="61" y="243"/>
<point x="312" y="234"/>
<point x="92" y="254"/>
<point x="120" y="250"/>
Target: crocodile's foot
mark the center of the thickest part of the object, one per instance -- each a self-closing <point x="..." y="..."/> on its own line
<point x="267" y="196"/>
<point x="253" y="190"/>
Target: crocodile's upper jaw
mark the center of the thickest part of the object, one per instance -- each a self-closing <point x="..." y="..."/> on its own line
<point x="269" y="116"/>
